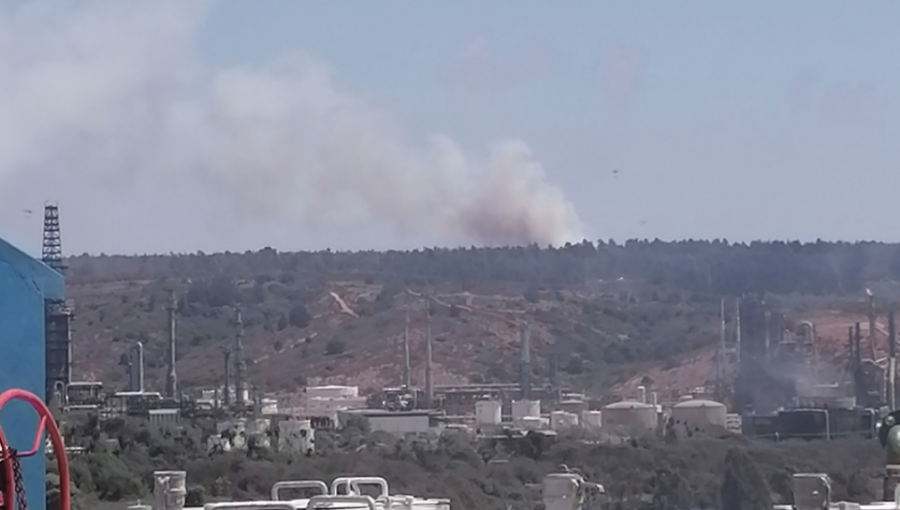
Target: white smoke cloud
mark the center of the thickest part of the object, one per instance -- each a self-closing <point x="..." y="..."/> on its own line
<point x="115" y="92"/>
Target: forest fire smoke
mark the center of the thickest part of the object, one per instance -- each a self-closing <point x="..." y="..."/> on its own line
<point x="115" y="93"/>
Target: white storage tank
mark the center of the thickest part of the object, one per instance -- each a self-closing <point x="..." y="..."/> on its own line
<point x="592" y="419"/>
<point x="629" y="417"/>
<point x="699" y="414"/>
<point x="576" y="406"/>
<point x="562" y="420"/>
<point x="488" y="412"/>
<point x="525" y="409"/>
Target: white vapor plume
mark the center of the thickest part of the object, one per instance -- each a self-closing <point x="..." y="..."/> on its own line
<point x="115" y="92"/>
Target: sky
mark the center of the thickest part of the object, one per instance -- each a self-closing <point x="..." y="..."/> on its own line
<point x="182" y="126"/>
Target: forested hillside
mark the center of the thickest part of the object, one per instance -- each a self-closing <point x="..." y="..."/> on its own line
<point x="599" y="313"/>
<point x="715" y="267"/>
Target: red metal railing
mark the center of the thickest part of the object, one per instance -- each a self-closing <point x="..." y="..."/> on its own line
<point x="48" y="424"/>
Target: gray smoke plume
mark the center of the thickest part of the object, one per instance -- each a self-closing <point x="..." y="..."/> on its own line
<point x="115" y="92"/>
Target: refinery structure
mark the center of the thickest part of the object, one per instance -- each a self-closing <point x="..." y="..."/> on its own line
<point x="770" y="382"/>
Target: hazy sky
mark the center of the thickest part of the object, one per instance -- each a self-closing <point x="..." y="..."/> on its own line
<point x="742" y="120"/>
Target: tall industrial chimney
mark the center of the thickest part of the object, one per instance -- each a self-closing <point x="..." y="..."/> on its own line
<point x="525" y="367"/>
<point x="226" y="391"/>
<point x="240" y="371"/>
<point x="720" y="352"/>
<point x="407" y="376"/>
<point x="171" y="377"/>
<point x="737" y="331"/>
<point x="851" y="348"/>
<point x="136" y="368"/>
<point x="892" y="362"/>
<point x="872" y="323"/>
<point x="429" y="376"/>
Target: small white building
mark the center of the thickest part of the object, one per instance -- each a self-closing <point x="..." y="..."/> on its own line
<point x="333" y="391"/>
<point x="563" y="420"/>
<point x="236" y="434"/>
<point x="269" y="406"/>
<point x="297" y="436"/>
<point x="164" y="417"/>
<point x="328" y="401"/>
<point x="399" y="422"/>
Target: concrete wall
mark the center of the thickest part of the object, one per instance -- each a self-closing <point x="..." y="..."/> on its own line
<point x="24" y="285"/>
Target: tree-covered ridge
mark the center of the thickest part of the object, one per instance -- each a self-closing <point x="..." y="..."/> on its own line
<point x="717" y="267"/>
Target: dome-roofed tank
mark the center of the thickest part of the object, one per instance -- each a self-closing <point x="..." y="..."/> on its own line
<point x="629" y="417"/>
<point x="699" y="414"/>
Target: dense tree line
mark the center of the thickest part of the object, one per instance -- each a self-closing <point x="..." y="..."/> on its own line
<point x="718" y="267"/>
<point x="648" y="473"/>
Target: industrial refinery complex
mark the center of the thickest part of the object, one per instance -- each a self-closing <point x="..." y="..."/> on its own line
<point x="769" y="371"/>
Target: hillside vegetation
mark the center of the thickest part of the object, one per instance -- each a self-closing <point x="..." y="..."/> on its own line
<point x="599" y="314"/>
<point x="650" y="473"/>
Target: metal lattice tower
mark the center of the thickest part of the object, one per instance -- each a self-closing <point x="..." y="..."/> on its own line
<point x="51" y="250"/>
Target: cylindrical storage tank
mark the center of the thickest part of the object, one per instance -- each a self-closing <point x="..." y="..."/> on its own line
<point x="487" y="412"/>
<point x="169" y="489"/>
<point x="562" y="420"/>
<point x="525" y="409"/>
<point x="592" y="419"/>
<point x="629" y="417"/>
<point x="573" y="406"/>
<point x="700" y="414"/>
